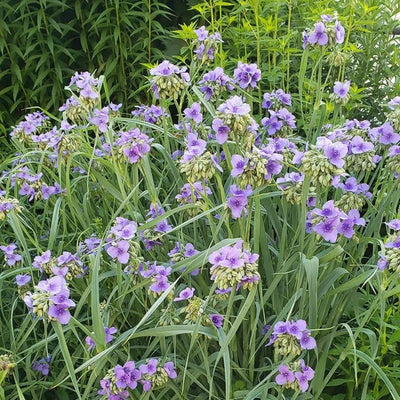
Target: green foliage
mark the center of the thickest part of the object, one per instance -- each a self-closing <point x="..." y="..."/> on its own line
<point x="43" y="42"/>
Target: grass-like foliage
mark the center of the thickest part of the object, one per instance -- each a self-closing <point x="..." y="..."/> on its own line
<point x="231" y="240"/>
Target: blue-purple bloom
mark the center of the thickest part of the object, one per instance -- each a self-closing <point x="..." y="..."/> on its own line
<point x="247" y="75"/>
<point x="217" y="320"/>
<point x="238" y="199"/>
<point x="42" y="365"/>
<point x="341" y="89"/>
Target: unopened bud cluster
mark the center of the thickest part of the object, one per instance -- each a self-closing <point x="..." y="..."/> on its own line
<point x="318" y="166"/>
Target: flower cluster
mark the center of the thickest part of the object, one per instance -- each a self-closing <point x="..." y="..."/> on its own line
<point x="233" y="121"/>
<point x="355" y="194"/>
<point x="132" y="145"/>
<point x="234" y="267"/>
<point x="280" y="121"/>
<point x="168" y="80"/>
<point x="153" y="236"/>
<point x="179" y="253"/>
<point x="42" y="365"/>
<point x="7" y="205"/>
<point x="238" y="199"/>
<point x="197" y="163"/>
<point x="330" y="221"/>
<point x="193" y="193"/>
<point x="120" y="245"/>
<point x="296" y="376"/>
<point x="68" y="265"/>
<point x="391" y="257"/>
<point x="50" y="299"/>
<point x="116" y="384"/>
<point x="206" y="44"/>
<point x="10" y="256"/>
<point x="214" y="83"/>
<point x="323" y="161"/>
<point x="256" y="167"/>
<point x="33" y="123"/>
<point x="290" y="338"/>
<point x="152" y="114"/>
<point x="159" y="276"/>
<point x="247" y="75"/>
<point x="327" y="32"/>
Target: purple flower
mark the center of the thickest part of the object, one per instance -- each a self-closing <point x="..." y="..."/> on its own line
<point x="387" y="134"/>
<point x="169" y="368"/>
<point x="302" y="380"/>
<point x="285" y="376"/>
<point x="238" y="199"/>
<point x="247" y="75"/>
<point x="335" y="152"/>
<point x="42" y="365"/>
<point x="394" y="224"/>
<point x="194" y="113"/>
<point x="185" y="294"/>
<point x="382" y="263"/>
<point x="341" y="89"/>
<point x="201" y="33"/>
<point x="234" y="105"/>
<point x="217" y="320"/>
<point x="307" y="342"/>
<point x="318" y="36"/>
<point x="160" y="285"/>
<point x="296" y="328"/>
<point x="328" y="210"/>
<point x="22" y="280"/>
<point x="100" y="119"/>
<point x="60" y="313"/>
<point x="328" y="229"/>
<point x="221" y="130"/>
<point x="150" y="368"/>
<point x="394" y="103"/>
<point x="339" y="32"/>
<point x="238" y="164"/>
<point x="359" y="145"/>
<point x="119" y="250"/>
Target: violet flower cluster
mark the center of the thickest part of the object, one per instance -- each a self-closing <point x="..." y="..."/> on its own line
<point x="295" y="376"/>
<point x="234" y="267"/>
<point x="42" y="365"/>
<point x="123" y="378"/>
<point x="168" y="80"/>
<point x="237" y="200"/>
<point x="330" y="221"/>
<point x="50" y="299"/>
<point x="247" y="75"/>
<point x="327" y="32"/>
<point x="390" y="257"/>
<point x="132" y="145"/>
<point x="152" y="114"/>
<point x="291" y="338"/>
<point x="206" y="45"/>
<point x="153" y="236"/>
<point x="214" y="83"/>
<point x="10" y="256"/>
<point x="68" y="265"/>
<point x="119" y="243"/>
<point x="180" y="253"/>
<point x="159" y="277"/>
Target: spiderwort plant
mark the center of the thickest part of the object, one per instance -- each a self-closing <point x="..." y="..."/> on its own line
<point x="201" y="219"/>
